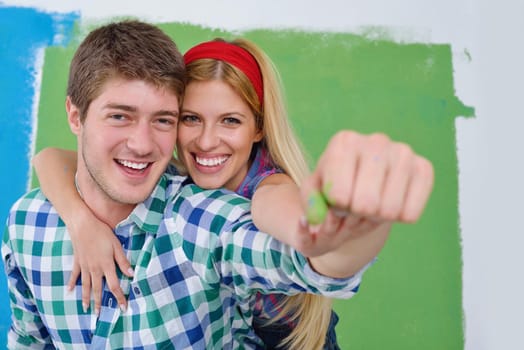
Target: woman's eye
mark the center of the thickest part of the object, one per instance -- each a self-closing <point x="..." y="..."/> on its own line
<point x="231" y="120"/>
<point x="189" y="119"/>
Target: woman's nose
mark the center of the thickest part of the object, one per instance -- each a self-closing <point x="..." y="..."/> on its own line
<point x="208" y="138"/>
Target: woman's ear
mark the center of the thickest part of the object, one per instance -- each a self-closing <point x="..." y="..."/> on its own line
<point x="258" y="136"/>
<point x="73" y="116"/>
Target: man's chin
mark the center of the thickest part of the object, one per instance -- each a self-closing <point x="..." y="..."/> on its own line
<point x="133" y="194"/>
<point x="135" y="191"/>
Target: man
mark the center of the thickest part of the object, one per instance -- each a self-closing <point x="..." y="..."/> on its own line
<point x="196" y="255"/>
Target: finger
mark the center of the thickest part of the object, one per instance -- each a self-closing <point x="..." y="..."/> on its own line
<point x="309" y="185"/>
<point x="113" y="283"/>
<point x="303" y="240"/>
<point x="86" y="290"/>
<point x="329" y="235"/>
<point x="122" y="262"/>
<point x="372" y="170"/>
<point x="97" y="292"/>
<point x="332" y="223"/>
<point x="75" y="274"/>
<point x="317" y="209"/>
<point x="337" y="221"/>
<point x="313" y="202"/>
<point x="337" y="168"/>
<point x="328" y="226"/>
<point x="351" y="221"/>
<point x="358" y="227"/>
<point x="419" y="190"/>
<point x="396" y="183"/>
<point x="365" y="226"/>
<point x="346" y="227"/>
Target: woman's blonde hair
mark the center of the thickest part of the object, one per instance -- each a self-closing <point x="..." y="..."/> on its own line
<point x="311" y="313"/>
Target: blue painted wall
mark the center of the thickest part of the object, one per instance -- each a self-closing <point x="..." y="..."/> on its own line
<point x="23" y="32"/>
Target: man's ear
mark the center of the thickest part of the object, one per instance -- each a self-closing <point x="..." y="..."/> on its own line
<point x="73" y="116"/>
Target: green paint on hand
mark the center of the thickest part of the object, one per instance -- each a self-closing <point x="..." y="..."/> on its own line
<point x="317" y="208"/>
<point x="326" y="190"/>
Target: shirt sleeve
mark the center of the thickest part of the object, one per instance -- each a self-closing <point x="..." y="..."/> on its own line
<point x="27" y="330"/>
<point x="262" y="263"/>
<point x="227" y="249"/>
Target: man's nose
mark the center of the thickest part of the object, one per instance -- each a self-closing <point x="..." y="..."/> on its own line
<point x="141" y="139"/>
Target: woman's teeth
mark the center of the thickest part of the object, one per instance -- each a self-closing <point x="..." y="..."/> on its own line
<point x="211" y="161"/>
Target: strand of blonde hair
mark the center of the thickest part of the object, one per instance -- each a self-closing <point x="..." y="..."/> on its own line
<point x="312" y="313"/>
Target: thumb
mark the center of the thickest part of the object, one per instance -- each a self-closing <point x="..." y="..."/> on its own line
<point x="316" y="206"/>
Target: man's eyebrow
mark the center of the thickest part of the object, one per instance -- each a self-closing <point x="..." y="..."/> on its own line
<point x="166" y="112"/>
<point x="129" y="108"/>
<point x="123" y="107"/>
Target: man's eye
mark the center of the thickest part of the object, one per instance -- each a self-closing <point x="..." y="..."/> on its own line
<point x="118" y="116"/>
<point x="167" y="121"/>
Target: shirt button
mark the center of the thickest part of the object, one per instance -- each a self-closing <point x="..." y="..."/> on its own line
<point x="136" y="290"/>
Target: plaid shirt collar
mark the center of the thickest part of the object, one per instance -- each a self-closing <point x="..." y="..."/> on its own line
<point x="148" y="214"/>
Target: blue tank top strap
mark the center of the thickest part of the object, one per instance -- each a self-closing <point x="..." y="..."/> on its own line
<point x="261" y="168"/>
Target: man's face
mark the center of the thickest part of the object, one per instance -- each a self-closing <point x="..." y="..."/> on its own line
<point x="126" y="140"/>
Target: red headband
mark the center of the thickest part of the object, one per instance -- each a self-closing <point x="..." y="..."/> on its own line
<point x="232" y="54"/>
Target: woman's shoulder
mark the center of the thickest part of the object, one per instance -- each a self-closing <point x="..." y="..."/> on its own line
<point x="260" y="169"/>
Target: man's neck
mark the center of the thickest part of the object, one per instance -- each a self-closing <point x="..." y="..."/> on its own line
<point x="104" y="208"/>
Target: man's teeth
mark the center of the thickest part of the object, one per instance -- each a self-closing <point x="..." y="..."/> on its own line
<point x="133" y="165"/>
<point x="211" y="161"/>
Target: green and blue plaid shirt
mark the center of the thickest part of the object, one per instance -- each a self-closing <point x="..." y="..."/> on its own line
<point x="198" y="262"/>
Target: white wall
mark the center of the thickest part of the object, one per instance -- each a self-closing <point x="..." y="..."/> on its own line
<point x="490" y="172"/>
<point x="491" y="176"/>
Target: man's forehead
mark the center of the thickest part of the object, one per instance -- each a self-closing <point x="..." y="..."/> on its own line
<point x="133" y="93"/>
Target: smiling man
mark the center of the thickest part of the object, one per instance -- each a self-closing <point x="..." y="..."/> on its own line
<point x="126" y="140"/>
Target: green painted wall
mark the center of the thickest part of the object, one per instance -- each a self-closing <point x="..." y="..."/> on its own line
<point x="411" y="298"/>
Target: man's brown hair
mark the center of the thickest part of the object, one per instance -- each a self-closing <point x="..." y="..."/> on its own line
<point x="129" y="49"/>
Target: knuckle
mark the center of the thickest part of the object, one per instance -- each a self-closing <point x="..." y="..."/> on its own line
<point x="338" y="199"/>
<point x="111" y="285"/>
<point x="114" y="288"/>
<point x="97" y="288"/>
<point x="379" y="139"/>
<point x="345" y="138"/>
<point x="365" y="205"/>
<point x="409" y="217"/>
<point x="389" y="212"/>
<point x="404" y="151"/>
<point x="377" y="144"/>
<point x="424" y="167"/>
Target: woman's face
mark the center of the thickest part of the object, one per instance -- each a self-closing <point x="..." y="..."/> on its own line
<point x="216" y="133"/>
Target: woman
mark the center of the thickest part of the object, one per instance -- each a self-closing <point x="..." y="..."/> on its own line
<point x="233" y="132"/>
